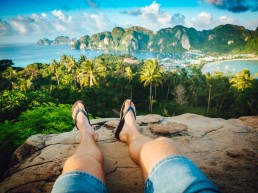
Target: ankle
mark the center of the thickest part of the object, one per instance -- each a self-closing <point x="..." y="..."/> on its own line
<point x="89" y="135"/>
<point x="128" y="134"/>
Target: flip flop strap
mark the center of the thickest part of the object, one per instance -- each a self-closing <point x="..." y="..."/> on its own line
<point x="77" y="112"/>
<point x="129" y="109"/>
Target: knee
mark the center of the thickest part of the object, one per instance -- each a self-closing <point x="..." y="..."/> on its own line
<point x="163" y="141"/>
<point x="157" y="144"/>
<point x="164" y="144"/>
<point x="95" y="155"/>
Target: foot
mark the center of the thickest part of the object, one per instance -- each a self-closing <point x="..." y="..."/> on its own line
<point x="129" y="130"/>
<point x="83" y="124"/>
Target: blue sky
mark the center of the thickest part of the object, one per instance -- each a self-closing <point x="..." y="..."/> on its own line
<point x="30" y="20"/>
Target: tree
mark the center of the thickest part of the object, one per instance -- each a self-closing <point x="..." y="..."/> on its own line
<point x="101" y="67"/>
<point x="4" y="64"/>
<point x="180" y="95"/>
<point x="81" y="59"/>
<point x="56" y="70"/>
<point x="197" y="85"/>
<point x="88" y="74"/>
<point x="150" y="74"/>
<point x="128" y="73"/>
<point x="219" y="92"/>
<point x="245" y="95"/>
<point x="25" y="84"/>
<point x="11" y="75"/>
<point x="120" y="68"/>
<point x="171" y="80"/>
<point x="242" y="80"/>
<point x="72" y="67"/>
<point x="63" y="60"/>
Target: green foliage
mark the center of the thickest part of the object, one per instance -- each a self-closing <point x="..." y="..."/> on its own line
<point x="48" y="118"/>
<point x="169" y="109"/>
<point x="4" y="64"/>
<point x="34" y="94"/>
<point x="12" y="103"/>
<point x="222" y="39"/>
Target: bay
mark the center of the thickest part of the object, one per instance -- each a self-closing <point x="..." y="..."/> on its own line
<point x="231" y="67"/>
<point x="24" y="54"/>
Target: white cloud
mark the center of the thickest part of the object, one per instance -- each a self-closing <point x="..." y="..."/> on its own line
<point x="43" y="15"/>
<point x="5" y="28"/>
<point x="226" y="20"/>
<point x="204" y="20"/>
<point x="21" y="24"/>
<point x="154" y="18"/>
<point x="151" y="17"/>
<point x="61" y="16"/>
<point x="56" y="23"/>
<point x="93" y="23"/>
<point x="253" y="24"/>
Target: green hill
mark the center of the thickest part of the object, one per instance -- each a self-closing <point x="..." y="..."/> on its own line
<point x="222" y="39"/>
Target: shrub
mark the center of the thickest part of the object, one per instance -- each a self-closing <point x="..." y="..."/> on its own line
<point x="46" y="119"/>
<point x="12" y="103"/>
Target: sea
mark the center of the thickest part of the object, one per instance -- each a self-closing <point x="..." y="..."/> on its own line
<point x="231" y="67"/>
<point x="25" y="54"/>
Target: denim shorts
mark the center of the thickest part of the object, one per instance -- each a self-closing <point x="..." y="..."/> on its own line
<point x="174" y="174"/>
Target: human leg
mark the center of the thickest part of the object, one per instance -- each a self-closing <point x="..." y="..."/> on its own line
<point x="163" y="169"/>
<point x="83" y="171"/>
<point x="143" y="150"/>
<point x="87" y="154"/>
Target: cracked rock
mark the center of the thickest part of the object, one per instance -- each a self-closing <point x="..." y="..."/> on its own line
<point x="225" y="150"/>
<point x="169" y="129"/>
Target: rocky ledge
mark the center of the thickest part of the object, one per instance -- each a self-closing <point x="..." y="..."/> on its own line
<point x="225" y="150"/>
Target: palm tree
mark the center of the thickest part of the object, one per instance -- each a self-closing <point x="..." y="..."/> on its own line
<point x="11" y="75"/>
<point x="25" y="84"/>
<point x="180" y="95"/>
<point x="242" y="80"/>
<point x="120" y="68"/>
<point x="66" y="79"/>
<point x="87" y="74"/>
<point x="150" y="74"/>
<point x="55" y="68"/>
<point x="101" y="67"/>
<point x="63" y="60"/>
<point x="71" y="66"/>
<point x="81" y="59"/>
<point x="197" y="85"/>
<point x="171" y="79"/>
<point x="128" y="73"/>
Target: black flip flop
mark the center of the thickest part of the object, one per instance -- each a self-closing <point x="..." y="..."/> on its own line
<point x="122" y="118"/>
<point x="85" y="112"/>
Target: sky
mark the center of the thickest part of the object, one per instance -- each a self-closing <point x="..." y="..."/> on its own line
<point x="24" y="21"/>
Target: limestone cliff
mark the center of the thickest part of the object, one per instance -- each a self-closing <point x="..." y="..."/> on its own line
<point x="226" y="151"/>
<point x="171" y="40"/>
<point x="59" y="40"/>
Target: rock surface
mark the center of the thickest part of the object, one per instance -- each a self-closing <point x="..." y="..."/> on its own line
<point x="225" y="150"/>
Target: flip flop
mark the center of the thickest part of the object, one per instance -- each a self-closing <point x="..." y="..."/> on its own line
<point x="85" y="112"/>
<point x="122" y="118"/>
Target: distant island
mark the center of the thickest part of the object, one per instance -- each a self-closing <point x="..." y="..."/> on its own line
<point x="59" y="40"/>
<point x="222" y="39"/>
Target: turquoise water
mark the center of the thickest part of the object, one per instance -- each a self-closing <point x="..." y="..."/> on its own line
<point x="24" y="54"/>
<point x="231" y="67"/>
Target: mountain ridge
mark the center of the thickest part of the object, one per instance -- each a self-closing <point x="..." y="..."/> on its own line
<point x="222" y="39"/>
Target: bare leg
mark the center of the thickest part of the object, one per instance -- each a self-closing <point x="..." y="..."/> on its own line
<point x="88" y="157"/>
<point x="144" y="151"/>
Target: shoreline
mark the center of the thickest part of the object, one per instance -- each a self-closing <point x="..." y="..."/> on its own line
<point x="218" y="61"/>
